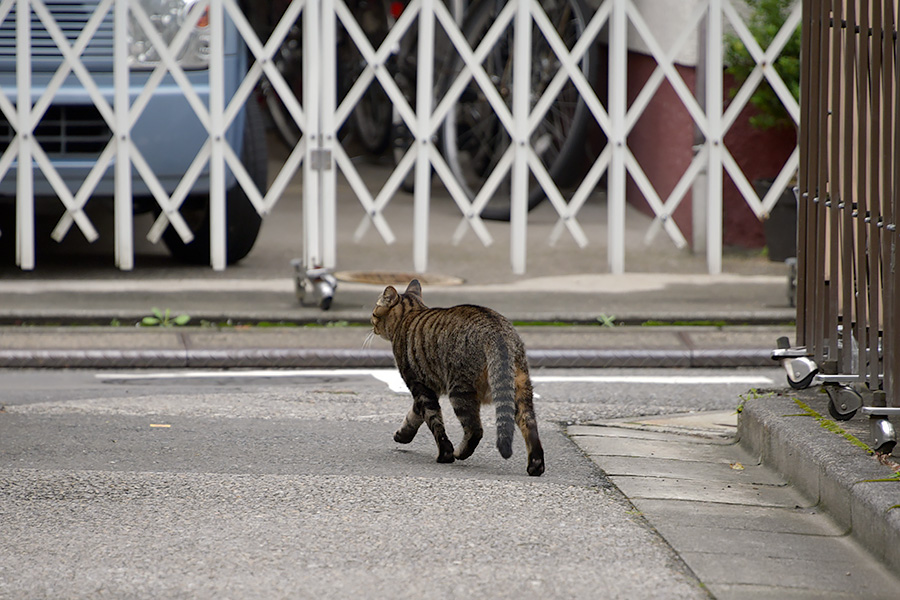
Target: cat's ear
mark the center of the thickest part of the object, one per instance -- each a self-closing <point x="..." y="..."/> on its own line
<point x="415" y="288"/>
<point x="389" y="297"/>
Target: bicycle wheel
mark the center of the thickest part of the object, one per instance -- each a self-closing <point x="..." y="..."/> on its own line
<point x="473" y="138"/>
<point x="371" y="117"/>
<point x="289" y="62"/>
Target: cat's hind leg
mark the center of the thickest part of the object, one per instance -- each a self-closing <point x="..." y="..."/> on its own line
<point x="527" y="423"/>
<point x="467" y="407"/>
<point x="430" y="408"/>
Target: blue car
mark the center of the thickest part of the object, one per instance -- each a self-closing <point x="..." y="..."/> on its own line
<point x="168" y="133"/>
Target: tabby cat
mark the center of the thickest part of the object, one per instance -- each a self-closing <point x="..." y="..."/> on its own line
<point x="471" y="353"/>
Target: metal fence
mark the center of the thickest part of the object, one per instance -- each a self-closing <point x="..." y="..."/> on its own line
<point x="847" y="304"/>
<point x="319" y="157"/>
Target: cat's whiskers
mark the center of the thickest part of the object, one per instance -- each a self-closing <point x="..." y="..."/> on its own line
<point x="368" y="341"/>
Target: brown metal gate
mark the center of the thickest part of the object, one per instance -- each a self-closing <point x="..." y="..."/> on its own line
<point x="847" y="310"/>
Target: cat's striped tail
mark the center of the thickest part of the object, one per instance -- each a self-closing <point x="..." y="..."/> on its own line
<point x="501" y="378"/>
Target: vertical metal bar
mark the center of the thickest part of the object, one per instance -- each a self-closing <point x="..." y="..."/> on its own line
<point x="815" y="243"/>
<point x="874" y="215"/>
<point x="311" y="81"/>
<point x="862" y="173"/>
<point x="835" y="174"/>
<point x="848" y="194"/>
<point x="618" y="89"/>
<point x="328" y="136"/>
<point x="521" y="106"/>
<point x="217" y="214"/>
<point x="25" y="173"/>
<point x="892" y="337"/>
<point x="819" y="174"/>
<point x="123" y="205"/>
<point x="889" y="181"/>
<point x="804" y="195"/>
<point x="424" y="100"/>
<point x="714" y="181"/>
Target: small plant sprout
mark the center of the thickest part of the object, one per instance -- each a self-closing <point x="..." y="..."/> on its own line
<point x="164" y="319"/>
<point x="607" y="320"/>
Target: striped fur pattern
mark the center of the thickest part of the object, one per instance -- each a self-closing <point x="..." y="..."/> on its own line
<point x="470" y="353"/>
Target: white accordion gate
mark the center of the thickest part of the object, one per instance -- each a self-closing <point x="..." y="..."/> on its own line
<point x="319" y="155"/>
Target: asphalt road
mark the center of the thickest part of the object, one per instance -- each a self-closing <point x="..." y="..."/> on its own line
<point x="273" y="484"/>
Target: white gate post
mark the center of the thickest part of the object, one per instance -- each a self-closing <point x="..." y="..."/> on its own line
<point x="618" y="77"/>
<point x="714" y="86"/>
<point x="698" y="190"/>
<point x="217" y="213"/>
<point x="424" y="108"/>
<point x="25" y="173"/>
<point x="521" y="107"/>
<point x="312" y="49"/>
<point x="328" y="137"/>
<point x="123" y="207"/>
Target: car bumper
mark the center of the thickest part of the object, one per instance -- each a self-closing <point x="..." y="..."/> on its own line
<point x="168" y="134"/>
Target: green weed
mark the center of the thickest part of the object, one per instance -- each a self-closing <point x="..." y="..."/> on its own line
<point x="164" y="318"/>
<point x="831" y="426"/>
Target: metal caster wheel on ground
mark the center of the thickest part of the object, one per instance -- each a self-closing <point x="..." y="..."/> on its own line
<point x="881" y="430"/>
<point x="315" y="286"/>
<point x="843" y="402"/>
<point x="805" y="380"/>
<point x="801" y="370"/>
<point x="882" y="434"/>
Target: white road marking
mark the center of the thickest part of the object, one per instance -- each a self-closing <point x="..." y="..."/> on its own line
<point x="147" y="285"/>
<point x="393" y="380"/>
<point x="395" y="383"/>
<point x="248" y="374"/>
<point x="657" y="379"/>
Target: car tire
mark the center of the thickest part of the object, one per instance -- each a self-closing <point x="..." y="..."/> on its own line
<point x="242" y="220"/>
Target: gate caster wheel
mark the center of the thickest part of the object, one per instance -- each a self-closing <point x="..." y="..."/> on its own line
<point x="314" y="286"/>
<point x="882" y="433"/>
<point x="843" y="402"/>
<point x="800" y="372"/>
<point x="838" y="416"/>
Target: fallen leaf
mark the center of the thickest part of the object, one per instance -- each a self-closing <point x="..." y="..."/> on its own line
<point x="736" y="466"/>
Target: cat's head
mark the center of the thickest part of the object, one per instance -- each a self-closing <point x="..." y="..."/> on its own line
<point x="392" y="306"/>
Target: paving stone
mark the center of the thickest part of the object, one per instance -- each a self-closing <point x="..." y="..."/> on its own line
<point x="735" y="472"/>
<point x="663" y="448"/>
<point x="663" y="488"/>
<point x="752" y="544"/>
<point x="637" y="433"/>
<point x="712" y="425"/>
<point x="857" y="575"/>
<point x="802" y="520"/>
<point x="768" y="592"/>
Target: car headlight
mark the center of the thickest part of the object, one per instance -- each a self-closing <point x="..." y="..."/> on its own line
<point x="168" y="16"/>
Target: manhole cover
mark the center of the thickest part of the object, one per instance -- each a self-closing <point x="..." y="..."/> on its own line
<point x="396" y="279"/>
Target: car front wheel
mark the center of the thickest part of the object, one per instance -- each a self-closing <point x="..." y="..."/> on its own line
<point x="242" y="220"/>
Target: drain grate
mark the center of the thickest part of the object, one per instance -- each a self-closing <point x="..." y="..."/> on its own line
<point x="396" y="278"/>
